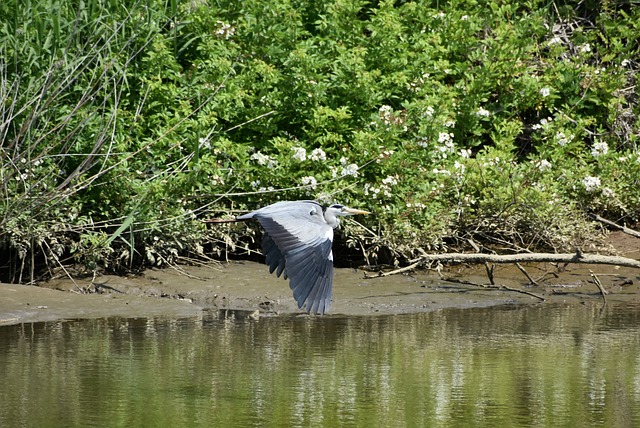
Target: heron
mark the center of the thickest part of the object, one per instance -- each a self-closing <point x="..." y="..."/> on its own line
<point x="296" y="243"/>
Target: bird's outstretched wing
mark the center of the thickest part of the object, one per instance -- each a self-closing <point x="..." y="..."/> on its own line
<point x="297" y="243"/>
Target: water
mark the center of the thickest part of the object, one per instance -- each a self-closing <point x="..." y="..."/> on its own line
<point x="574" y="365"/>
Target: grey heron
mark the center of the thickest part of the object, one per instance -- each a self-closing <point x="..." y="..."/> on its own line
<point x="296" y="243"/>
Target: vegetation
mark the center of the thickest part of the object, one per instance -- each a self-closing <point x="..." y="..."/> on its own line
<point x="124" y="124"/>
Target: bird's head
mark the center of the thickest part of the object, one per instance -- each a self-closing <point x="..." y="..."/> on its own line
<point x="332" y="212"/>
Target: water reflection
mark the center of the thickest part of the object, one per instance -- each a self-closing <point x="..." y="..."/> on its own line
<point x="531" y="366"/>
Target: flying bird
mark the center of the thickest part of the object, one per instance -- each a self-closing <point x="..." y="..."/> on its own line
<point x="297" y="243"/>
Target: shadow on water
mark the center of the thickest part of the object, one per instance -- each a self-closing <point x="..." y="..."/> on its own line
<point x="547" y="365"/>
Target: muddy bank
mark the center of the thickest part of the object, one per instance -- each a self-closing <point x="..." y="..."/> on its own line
<point x="248" y="286"/>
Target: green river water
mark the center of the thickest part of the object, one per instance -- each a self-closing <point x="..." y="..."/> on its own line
<point x="542" y="365"/>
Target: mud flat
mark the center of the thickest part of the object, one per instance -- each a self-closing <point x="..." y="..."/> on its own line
<point x="248" y="286"/>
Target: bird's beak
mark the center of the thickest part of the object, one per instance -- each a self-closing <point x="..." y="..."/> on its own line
<point x="353" y="211"/>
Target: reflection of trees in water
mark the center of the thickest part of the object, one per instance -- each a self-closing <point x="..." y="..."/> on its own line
<point x="545" y="365"/>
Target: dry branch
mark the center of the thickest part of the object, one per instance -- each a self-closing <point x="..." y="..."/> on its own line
<point x="578" y="257"/>
<point x="534" y="257"/>
<point x="523" y="270"/>
<point x="615" y="225"/>
<point x="603" y="292"/>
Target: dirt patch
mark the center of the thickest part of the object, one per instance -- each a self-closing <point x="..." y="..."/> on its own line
<point x="248" y="286"/>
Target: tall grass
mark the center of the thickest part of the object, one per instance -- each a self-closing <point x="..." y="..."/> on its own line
<point x="65" y="83"/>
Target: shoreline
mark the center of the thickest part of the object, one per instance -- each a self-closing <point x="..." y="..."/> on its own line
<point x="247" y="286"/>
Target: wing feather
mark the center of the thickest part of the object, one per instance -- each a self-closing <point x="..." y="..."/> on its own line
<point x="297" y="242"/>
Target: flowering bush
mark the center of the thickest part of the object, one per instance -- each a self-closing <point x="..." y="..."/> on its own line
<point x="502" y="122"/>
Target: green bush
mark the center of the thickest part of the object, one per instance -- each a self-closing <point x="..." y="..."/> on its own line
<point x="124" y="125"/>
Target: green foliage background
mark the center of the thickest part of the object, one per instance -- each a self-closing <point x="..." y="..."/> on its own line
<point x="124" y="124"/>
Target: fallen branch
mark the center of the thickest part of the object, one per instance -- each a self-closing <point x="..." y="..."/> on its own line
<point x="578" y="257"/>
<point x="615" y="225"/>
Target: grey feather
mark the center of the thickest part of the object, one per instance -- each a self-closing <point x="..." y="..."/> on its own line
<point x="297" y="243"/>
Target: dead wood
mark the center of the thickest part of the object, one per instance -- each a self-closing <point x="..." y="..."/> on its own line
<point x="615" y="225"/>
<point x="523" y="270"/>
<point x="603" y="292"/>
<point x="578" y="257"/>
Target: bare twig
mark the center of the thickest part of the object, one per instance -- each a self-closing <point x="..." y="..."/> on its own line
<point x="490" y="270"/>
<point x="531" y="280"/>
<point x="397" y="271"/>
<point x="603" y="292"/>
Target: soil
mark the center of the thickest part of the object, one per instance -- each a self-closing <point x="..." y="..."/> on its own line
<point x="186" y="291"/>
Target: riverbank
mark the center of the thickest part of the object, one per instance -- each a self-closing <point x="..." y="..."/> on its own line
<point x="247" y="286"/>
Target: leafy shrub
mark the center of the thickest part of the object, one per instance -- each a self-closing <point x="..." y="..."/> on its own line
<point x="504" y="123"/>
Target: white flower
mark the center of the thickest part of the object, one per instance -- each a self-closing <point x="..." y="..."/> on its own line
<point x="263" y="159"/>
<point x="203" y="143"/>
<point x="299" y="154"/>
<point x="423" y="142"/>
<point x="464" y="18"/>
<point x="439" y="15"/>
<point x="441" y="171"/>
<point x="465" y="153"/>
<point x="450" y="123"/>
<point x="260" y="158"/>
<point x="458" y="166"/>
<point x="555" y="40"/>
<point x="543" y="164"/>
<point x="585" y="48"/>
<point x="608" y="193"/>
<point x="543" y="123"/>
<point x="318" y="155"/>
<point x="272" y="163"/>
<point x="309" y="181"/>
<point x="599" y="148"/>
<point x="429" y="112"/>
<point x="590" y="183"/>
<point x="369" y="190"/>
<point x="225" y="30"/>
<point x="562" y="139"/>
<point x="445" y="137"/>
<point x="385" y="114"/>
<point x="545" y="92"/>
<point x="390" y="180"/>
<point x="351" y="169"/>
<point x="493" y="162"/>
<point x="483" y="112"/>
